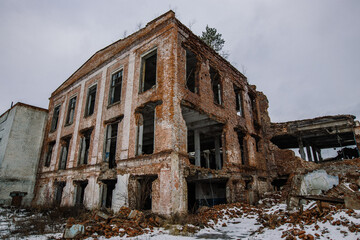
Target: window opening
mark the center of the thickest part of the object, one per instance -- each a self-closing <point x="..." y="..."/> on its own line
<point x="84" y="147"/>
<point x="110" y="145"/>
<point x="80" y="192"/>
<point x="55" y="118"/>
<point x="115" y="87"/>
<point x="148" y="71"/>
<point x="216" y="85"/>
<point x="49" y="154"/>
<point x="90" y="103"/>
<point x="59" y="192"/>
<point x="107" y="194"/>
<point x="145" y="131"/>
<point x="239" y="101"/>
<point x="242" y="143"/>
<point x="71" y="111"/>
<point x="64" y="152"/>
<point x="191" y="70"/>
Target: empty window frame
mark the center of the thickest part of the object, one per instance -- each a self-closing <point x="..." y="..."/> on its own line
<point x="107" y="192"/>
<point x="145" y="132"/>
<point x="55" y="118"/>
<point x="191" y="71"/>
<point x="71" y="111"/>
<point x="216" y="85"/>
<point x="242" y="144"/>
<point x="239" y="101"/>
<point x="49" y="154"/>
<point x="148" y="71"/>
<point x="84" y="147"/>
<point x="90" y="102"/>
<point x="59" y="192"/>
<point x="64" y="152"/>
<point x="115" y="87"/>
<point x="253" y="106"/>
<point x="80" y="192"/>
<point x="110" y="144"/>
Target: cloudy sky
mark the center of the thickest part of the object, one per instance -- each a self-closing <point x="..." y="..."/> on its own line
<point x="304" y="55"/>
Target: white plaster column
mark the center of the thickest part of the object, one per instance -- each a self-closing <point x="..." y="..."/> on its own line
<point x="120" y="193"/>
<point x="128" y="107"/>
<point x="92" y="194"/>
<point x="197" y="148"/>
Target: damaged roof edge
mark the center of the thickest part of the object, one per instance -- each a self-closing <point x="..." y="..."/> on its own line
<point x="329" y="117"/>
<point x="97" y="59"/>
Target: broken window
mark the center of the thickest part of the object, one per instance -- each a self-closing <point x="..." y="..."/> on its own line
<point x="115" y="87"/>
<point x="253" y="108"/>
<point x="59" y="192"/>
<point x="64" y="152"/>
<point x="71" y="111"/>
<point x="257" y="143"/>
<point x="148" y="71"/>
<point x="55" y="118"/>
<point x="242" y="144"/>
<point x="107" y="193"/>
<point x="80" y="192"/>
<point x="216" y="85"/>
<point x="90" y="102"/>
<point x="84" y="147"/>
<point x="191" y="71"/>
<point x="49" y="153"/>
<point x="110" y="144"/>
<point x="145" y="131"/>
<point x="239" y="101"/>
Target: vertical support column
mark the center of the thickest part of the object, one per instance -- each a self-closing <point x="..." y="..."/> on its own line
<point x="92" y="194"/>
<point x="217" y="153"/>
<point x="308" y="151"/>
<point x="197" y="148"/>
<point x="318" y="150"/>
<point x="301" y="148"/>
<point x="314" y="154"/>
<point x="120" y="193"/>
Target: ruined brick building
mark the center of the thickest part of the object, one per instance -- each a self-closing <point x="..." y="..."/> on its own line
<point x="158" y="121"/>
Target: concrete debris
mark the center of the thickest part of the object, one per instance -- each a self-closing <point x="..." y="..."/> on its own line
<point x="316" y="182"/>
<point x="75" y="231"/>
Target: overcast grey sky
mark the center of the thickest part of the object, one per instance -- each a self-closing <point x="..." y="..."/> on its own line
<point x="304" y="55"/>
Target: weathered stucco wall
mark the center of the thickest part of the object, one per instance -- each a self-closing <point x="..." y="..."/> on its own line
<point x="19" y="164"/>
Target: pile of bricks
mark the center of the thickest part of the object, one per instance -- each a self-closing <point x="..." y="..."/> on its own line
<point x="126" y="221"/>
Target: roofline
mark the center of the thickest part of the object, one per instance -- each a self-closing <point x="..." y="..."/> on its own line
<point x="24" y="105"/>
<point x="335" y="117"/>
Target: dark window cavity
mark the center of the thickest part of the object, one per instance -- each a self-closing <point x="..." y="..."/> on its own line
<point x="191" y="71"/>
<point x="64" y="152"/>
<point x="107" y="193"/>
<point x="80" y="192"/>
<point x="59" y="192"/>
<point x="148" y="71"/>
<point x="49" y="153"/>
<point x="216" y="85"/>
<point x="55" y="118"/>
<point x="71" y="111"/>
<point x="242" y="143"/>
<point x="110" y="144"/>
<point x="145" y="132"/>
<point x="84" y="147"/>
<point x="90" y="102"/>
<point x="115" y="87"/>
<point x="239" y="101"/>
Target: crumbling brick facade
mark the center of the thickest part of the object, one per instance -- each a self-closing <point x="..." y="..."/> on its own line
<point x="157" y="121"/>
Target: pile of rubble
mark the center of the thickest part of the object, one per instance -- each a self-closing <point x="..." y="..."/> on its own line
<point x="126" y="222"/>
